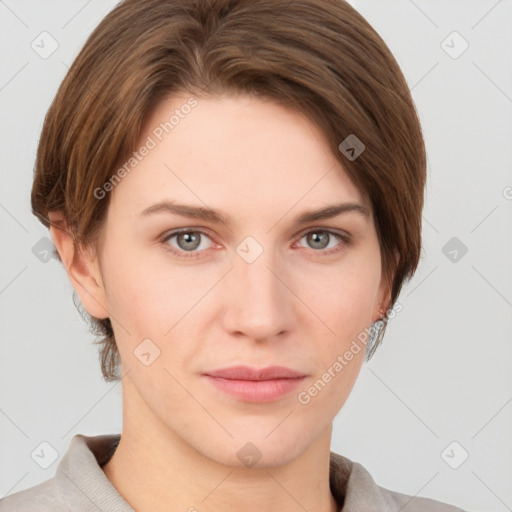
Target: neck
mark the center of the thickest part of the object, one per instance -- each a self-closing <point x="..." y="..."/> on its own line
<point x="156" y="471"/>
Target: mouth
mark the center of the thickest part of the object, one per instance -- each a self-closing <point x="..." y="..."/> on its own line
<point x="255" y="385"/>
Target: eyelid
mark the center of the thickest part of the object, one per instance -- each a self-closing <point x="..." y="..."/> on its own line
<point x="339" y="232"/>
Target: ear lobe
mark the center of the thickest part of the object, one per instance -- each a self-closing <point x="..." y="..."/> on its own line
<point x="383" y="302"/>
<point x="81" y="266"/>
<point x="385" y="292"/>
<point x="386" y="301"/>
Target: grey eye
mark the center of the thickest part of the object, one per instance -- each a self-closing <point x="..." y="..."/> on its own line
<point x="320" y="239"/>
<point x="189" y="240"/>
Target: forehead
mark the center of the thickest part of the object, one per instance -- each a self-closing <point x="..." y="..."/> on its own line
<point x="243" y="153"/>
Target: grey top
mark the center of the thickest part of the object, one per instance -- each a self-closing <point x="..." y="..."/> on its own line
<point x="80" y="485"/>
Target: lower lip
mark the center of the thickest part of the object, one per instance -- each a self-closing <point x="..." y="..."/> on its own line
<point x="256" y="390"/>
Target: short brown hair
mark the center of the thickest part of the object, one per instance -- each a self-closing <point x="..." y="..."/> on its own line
<point x="318" y="57"/>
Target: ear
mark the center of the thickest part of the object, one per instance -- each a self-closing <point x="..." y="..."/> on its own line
<point x="81" y="266"/>
<point x="383" y="301"/>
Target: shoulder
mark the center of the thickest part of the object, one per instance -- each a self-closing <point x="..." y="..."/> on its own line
<point x="408" y="503"/>
<point x="44" y="497"/>
<point x="79" y="482"/>
<point x="351" y="481"/>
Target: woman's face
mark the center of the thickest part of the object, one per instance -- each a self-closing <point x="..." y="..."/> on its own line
<point x="260" y="290"/>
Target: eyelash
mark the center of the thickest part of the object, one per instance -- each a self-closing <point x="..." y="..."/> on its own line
<point x="344" y="238"/>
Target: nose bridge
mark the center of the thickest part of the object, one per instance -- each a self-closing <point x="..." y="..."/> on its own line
<point x="258" y="300"/>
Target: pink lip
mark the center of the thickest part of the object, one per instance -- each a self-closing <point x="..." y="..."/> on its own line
<point x="248" y="373"/>
<point x="256" y="385"/>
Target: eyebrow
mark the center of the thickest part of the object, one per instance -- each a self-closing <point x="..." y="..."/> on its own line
<point x="216" y="217"/>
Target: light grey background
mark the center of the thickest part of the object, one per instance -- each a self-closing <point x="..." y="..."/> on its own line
<point x="442" y="374"/>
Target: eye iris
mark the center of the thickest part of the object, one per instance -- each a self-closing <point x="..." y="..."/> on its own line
<point x="188" y="238"/>
<point x="316" y="237"/>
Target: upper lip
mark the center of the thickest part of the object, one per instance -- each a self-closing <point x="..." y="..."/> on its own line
<point x="248" y="373"/>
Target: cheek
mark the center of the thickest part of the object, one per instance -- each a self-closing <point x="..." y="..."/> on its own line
<point x="154" y="297"/>
<point x="133" y="299"/>
<point x="343" y="296"/>
<point x="338" y="354"/>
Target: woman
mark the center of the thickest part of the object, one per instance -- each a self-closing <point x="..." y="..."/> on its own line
<point x="235" y="190"/>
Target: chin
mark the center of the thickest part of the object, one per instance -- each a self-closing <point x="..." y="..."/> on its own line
<point x="256" y="449"/>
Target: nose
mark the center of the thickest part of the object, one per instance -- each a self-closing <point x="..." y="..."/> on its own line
<point x="258" y="304"/>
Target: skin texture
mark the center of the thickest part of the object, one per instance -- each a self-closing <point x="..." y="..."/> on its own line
<point x="299" y="304"/>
